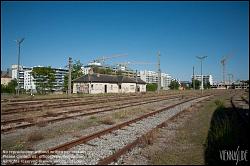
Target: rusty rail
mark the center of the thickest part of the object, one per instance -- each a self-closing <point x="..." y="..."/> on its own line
<point x="84" y="139"/>
<point x="83" y="114"/>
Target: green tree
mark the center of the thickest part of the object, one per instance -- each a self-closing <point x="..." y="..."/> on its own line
<point x="108" y="71"/>
<point x="75" y="73"/>
<point x="197" y="84"/>
<point x="10" y="88"/>
<point x="207" y="85"/>
<point x="44" y="78"/>
<point x="174" y="85"/>
<point x="119" y="72"/>
<point x="151" y="87"/>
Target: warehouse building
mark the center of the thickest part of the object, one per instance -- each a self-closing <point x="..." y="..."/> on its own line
<point x="101" y="83"/>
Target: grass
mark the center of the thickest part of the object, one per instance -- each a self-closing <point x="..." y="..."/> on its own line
<point x="227" y="132"/>
<point x="148" y="138"/>
<point x="51" y="113"/>
<point x="188" y="144"/>
<point x="35" y="136"/>
<point x="107" y="120"/>
<point x="42" y="123"/>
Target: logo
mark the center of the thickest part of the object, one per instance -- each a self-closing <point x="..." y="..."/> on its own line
<point x="231" y="155"/>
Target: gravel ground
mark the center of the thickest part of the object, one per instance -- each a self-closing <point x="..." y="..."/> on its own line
<point x="21" y="135"/>
<point x="99" y="148"/>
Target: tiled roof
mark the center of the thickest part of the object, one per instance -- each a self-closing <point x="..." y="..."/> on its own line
<point x="107" y="79"/>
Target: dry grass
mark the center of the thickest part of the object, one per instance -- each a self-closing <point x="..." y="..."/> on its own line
<point x="30" y="120"/>
<point x="148" y="138"/>
<point x="35" y="136"/>
<point x="42" y="123"/>
<point x="120" y="115"/>
<point x="188" y="143"/>
<point x="107" y="120"/>
<point x="51" y="113"/>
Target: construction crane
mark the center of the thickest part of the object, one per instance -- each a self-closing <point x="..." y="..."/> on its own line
<point x="125" y="65"/>
<point x="223" y="62"/>
<point x="229" y="79"/>
<point x="100" y="61"/>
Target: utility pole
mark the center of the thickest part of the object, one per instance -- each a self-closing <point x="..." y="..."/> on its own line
<point x="159" y="74"/>
<point x="69" y="80"/>
<point x="201" y="58"/>
<point x="193" y="79"/>
<point x="18" y="63"/>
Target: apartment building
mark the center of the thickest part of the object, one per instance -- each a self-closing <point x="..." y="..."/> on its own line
<point x="152" y="77"/>
<point x="27" y="82"/>
<point x="206" y="78"/>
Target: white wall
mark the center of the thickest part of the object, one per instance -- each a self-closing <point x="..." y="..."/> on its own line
<point x="142" y="87"/>
<point x="128" y="87"/>
<point x="95" y="88"/>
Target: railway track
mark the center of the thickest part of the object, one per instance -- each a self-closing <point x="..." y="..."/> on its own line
<point x="28" y="108"/>
<point x="107" y="145"/>
<point x="241" y="106"/>
<point x="24" y="122"/>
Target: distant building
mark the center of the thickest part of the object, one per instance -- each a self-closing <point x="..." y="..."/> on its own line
<point x="152" y="77"/>
<point x="101" y="83"/>
<point x="185" y="84"/>
<point x="5" y="77"/>
<point x="27" y="82"/>
<point x="206" y="79"/>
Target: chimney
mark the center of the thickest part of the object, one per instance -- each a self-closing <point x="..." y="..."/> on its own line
<point x="91" y="71"/>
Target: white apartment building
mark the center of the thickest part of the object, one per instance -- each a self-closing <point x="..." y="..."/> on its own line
<point x="206" y="78"/>
<point x="152" y="77"/>
<point x="27" y="82"/>
<point x="22" y="69"/>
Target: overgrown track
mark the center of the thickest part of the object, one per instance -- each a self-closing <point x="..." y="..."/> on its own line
<point x="107" y="145"/>
<point x="62" y="104"/>
<point x="24" y="122"/>
<point x="241" y="106"/>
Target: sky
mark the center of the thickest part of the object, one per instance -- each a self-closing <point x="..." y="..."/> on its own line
<point x="55" y="31"/>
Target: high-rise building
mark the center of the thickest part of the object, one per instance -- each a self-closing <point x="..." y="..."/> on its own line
<point x="152" y="77"/>
<point x="27" y="82"/>
<point x="206" y="78"/>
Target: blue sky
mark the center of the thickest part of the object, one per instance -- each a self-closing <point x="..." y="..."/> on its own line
<point x="181" y="31"/>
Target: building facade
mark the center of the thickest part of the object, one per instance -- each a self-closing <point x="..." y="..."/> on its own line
<point x="206" y="78"/>
<point x="27" y="82"/>
<point x="101" y="83"/>
<point x="152" y="77"/>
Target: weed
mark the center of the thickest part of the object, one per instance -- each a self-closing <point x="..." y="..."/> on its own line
<point x="219" y="103"/>
<point x="50" y="113"/>
<point x="107" y="120"/>
<point x="35" y="136"/>
<point x="42" y="123"/>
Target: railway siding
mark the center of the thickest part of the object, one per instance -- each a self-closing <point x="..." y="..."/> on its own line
<point x="105" y="145"/>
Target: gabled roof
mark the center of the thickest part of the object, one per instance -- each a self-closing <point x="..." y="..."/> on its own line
<point x="103" y="78"/>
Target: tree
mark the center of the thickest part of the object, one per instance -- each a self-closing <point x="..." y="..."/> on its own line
<point x="76" y="72"/>
<point x="44" y="78"/>
<point x="174" y="85"/>
<point x="10" y="88"/>
<point x="197" y="84"/>
<point x="207" y="85"/>
<point x="151" y="87"/>
<point x="119" y="72"/>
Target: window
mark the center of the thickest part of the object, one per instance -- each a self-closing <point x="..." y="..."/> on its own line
<point x="111" y="87"/>
<point x="120" y="86"/>
<point x="92" y="87"/>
